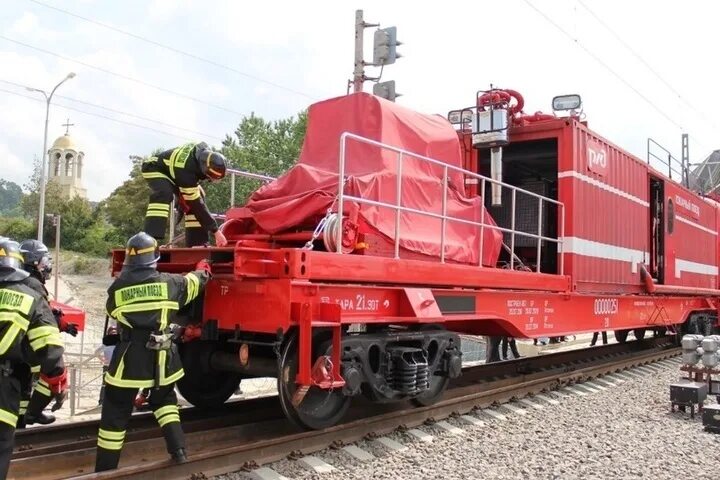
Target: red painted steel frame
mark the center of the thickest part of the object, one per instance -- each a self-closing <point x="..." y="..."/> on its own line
<point x="262" y="290"/>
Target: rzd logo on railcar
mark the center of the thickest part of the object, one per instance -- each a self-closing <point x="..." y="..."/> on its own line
<point x="605" y="306"/>
<point x="597" y="159"/>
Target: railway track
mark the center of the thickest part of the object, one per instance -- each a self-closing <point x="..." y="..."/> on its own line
<point x="247" y="433"/>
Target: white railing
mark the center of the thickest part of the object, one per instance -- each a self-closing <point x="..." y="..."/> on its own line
<point x="443" y="217"/>
<point x="240" y="173"/>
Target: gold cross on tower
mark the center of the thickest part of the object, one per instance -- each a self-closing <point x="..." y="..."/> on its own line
<point x="67" y="126"/>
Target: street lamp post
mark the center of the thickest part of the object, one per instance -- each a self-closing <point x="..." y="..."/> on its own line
<point x="48" y="99"/>
<point x="56" y="267"/>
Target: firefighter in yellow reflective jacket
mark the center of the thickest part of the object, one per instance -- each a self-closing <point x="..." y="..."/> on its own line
<point x="144" y="302"/>
<point x="178" y="172"/>
<point x="37" y="262"/>
<point x="28" y="331"/>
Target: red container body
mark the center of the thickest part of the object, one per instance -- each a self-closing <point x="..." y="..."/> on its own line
<point x="607" y="231"/>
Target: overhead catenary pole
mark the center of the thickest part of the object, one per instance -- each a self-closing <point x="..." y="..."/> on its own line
<point x="359" y="71"/>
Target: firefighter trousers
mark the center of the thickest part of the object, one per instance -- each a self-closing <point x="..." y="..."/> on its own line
<point x="25" y="376"/>
<point x="33" y="399"/>
<point x="9" y="408"/>
<point x="116" y="411"/>
<point x="162" y="192"/>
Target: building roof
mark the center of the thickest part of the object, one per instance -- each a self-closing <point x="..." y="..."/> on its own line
<point x="705" y="177"/>
<point x="65" y="142"/>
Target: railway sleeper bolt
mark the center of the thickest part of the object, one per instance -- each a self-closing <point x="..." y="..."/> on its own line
<point x="337" y="444"/>
<point x="295" y="455"/>
<point x="249" y="466"/>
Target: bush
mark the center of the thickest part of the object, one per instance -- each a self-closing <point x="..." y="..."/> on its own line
<point x="73" y="263"/>
<point x="17" y="229"/>
<point x="93" y="242"/>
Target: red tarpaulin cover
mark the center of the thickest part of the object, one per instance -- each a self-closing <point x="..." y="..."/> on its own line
<point x="311" y="186"/>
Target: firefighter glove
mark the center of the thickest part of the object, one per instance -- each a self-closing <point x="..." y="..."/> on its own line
<point x="204" y="265"/>
<point x="58" y="388"/>
<point x="64" y="325"/>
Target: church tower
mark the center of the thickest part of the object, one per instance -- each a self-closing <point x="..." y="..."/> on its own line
<point x="66" y="165"/>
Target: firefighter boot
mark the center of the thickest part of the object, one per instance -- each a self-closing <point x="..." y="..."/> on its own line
<point x="7" y="438"/>
<point x="175" y="441"/>
<point x="35" y="408"/>
<point x="179" y="456"/>
<point x="106" y="459"/>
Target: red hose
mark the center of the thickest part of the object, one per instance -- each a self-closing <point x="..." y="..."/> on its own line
<point x="535" y="117"/>
<point x="500" y="97"/>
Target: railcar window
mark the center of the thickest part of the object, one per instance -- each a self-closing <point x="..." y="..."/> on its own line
<point x="670" y="216"/>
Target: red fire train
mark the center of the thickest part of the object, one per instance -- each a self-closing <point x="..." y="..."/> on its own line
<point x="395" y="231"/>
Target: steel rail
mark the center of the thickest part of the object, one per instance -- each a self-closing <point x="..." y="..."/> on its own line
<point x="233" y="448"/>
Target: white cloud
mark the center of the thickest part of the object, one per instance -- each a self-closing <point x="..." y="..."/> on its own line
<point x="14" y="169"/>
<point x="28" y="23"/>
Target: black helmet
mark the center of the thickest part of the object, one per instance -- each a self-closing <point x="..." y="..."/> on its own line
<point x="212" y="164"/>
<point x="141" y="251"/>
<point x="36" y="256"/>
<point x="11" y="262"/>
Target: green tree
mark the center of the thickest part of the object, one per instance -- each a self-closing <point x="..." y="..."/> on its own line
<point x="30" y="203"/>
<point x="126" y="205"/>
<point x="77" y="219"/>
<point x="10" y="196"/>
<point x="258" y="146"/>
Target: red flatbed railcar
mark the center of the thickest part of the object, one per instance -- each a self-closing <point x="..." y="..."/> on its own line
<point x="580" y="236"/>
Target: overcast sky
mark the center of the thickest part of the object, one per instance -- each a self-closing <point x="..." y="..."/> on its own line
<point x="290" y="54"/>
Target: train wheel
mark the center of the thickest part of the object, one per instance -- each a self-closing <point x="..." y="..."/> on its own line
<point x="639" y="333"/>
<point x="202" y="386"/>
<point x="438" y="384"/>
<point x="319" y="408"/>
<point x="621" y="335"/>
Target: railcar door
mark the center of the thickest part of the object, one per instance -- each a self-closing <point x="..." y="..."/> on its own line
<point x="657" y="230"/>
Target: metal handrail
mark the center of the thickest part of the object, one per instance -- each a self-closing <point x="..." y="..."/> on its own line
<point x="668" y="161"/>
<point x="402" y="154"/>
<point x="241" y="173"/>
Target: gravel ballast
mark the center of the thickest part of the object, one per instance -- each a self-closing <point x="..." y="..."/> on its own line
<point x="623" y="432"/>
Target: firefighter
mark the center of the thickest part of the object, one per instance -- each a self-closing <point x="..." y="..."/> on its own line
<point x="177" y="172"/>
<point x="144" y="302"/>
<point x="27" y="327"/>
<point x="37" y="262"/>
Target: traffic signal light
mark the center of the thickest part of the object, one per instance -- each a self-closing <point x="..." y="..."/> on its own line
<point x="385" y="46"/>
<point x="386" y="90"/>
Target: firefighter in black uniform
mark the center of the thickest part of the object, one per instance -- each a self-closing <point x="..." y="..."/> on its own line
<point x="178" y="172"/>
<point x="37" y="262"/>
<point x="144" y="303"/>
<point x="28" y="332"/>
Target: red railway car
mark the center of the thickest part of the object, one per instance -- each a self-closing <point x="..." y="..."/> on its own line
<point x="355" y="271"/>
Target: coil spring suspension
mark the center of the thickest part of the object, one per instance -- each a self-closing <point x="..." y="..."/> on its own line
<point x="407" y="370"/>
